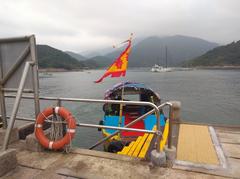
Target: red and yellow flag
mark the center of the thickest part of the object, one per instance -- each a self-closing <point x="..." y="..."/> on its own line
<point x="119" y="66"/>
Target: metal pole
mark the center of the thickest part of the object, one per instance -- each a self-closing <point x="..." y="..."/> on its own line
<point x="3" y="107"/>
<point x="170" y="126"/>
<point x="166" y="56"/>
<point x="16" y="106"/>
<point x="59" y="102"/>
<point x="22" y="119"/>
<point x="14" y="39"/>
<point x="121" y="111"/>
<point x="15" y="90"/>
<point x="35" y="79"/>
<point x="116" y="128"/>
<point x="2" y="97"/>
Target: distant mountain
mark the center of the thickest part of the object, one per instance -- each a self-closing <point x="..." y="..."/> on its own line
<point x="227" y="55"/>
<point x="76" y="55"/>
<point x="151" y="50"/>
<point x="91" y="54"/>
<point x="104" y="51"/>
<point x="99" y="61"/>
<point x="49" y="57"/>
<point x="145" y="53"/>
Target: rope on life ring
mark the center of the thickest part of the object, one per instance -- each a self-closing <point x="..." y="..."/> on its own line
<point x="71" y="125"/>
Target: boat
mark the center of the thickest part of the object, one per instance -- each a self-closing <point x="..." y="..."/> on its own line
<point x="118" y="116"/>
<point x="45" y="75"/>
<point x="159" y="68"/>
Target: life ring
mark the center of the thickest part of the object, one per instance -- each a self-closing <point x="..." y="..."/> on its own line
<point x="71" y="125"/>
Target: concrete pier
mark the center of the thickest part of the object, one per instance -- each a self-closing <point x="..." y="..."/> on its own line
<point x="8" y="161"/>
<point x="83" y="163"/>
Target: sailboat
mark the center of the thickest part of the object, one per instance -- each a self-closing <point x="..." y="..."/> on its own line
<point x="159" y="68"/>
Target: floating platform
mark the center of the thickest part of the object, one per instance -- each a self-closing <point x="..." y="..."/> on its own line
<point x="197" y="153"/>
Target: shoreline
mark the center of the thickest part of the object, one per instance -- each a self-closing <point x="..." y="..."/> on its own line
<point x="217" y="67"/>
<point x="44" y="70"/>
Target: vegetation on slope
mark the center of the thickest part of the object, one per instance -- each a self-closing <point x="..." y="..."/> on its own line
<point x="49" y="57"/>
<point x="228" y="55"/>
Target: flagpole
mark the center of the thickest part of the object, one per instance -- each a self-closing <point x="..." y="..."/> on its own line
<point x="121" y="111"/>
<point x="121" y="105"/>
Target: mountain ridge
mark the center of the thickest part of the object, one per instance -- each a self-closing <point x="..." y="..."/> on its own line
<point x="225" y="55"/>
<point x="151" y="50"/>
<point x="77" y="56"/>
<point x="145" y="53"/>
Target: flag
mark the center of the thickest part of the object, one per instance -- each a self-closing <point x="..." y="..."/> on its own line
<point x="119" y="66"/>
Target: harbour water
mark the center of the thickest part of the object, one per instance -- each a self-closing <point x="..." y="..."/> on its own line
<point x="208" y="96"/>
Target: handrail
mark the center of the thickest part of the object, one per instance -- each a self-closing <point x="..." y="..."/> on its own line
<point x="156" y="109"/>
<point x="158" y="133"/>
<point x="90" y="125"/>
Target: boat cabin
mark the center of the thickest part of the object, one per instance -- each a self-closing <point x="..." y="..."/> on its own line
<point x="121" y="115"/>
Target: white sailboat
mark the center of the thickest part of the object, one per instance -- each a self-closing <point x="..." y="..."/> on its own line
<point x="159" y="68"/>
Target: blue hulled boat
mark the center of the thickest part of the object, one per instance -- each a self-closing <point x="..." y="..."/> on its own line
<point x="120" y="115"/>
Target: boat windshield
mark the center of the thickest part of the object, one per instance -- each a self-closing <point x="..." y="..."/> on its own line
<point x="131" y="97"/>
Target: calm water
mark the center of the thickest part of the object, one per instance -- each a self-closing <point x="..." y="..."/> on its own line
<point x="209" y="96"/>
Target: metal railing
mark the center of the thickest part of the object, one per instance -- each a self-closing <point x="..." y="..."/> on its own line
<point x="36" y="98"/>
<point x="155" y="110"/>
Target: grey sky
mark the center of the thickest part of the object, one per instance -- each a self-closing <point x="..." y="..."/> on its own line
<point x="82" y="25"/>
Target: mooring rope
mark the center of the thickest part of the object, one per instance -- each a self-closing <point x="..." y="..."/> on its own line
<point x="56" y="130"/>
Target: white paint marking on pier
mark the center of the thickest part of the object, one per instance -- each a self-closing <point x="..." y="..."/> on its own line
<point x="218" y="147"/>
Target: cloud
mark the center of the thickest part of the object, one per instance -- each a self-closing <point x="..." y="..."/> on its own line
<point x="81" y="25"/>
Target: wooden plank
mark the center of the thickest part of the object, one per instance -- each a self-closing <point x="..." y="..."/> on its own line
<point x="234" y="167"/>
<point x="229" y="137"/>
<point x="164" y="136"/>
<point x="139" y="147"/>
<point x="195" y="145"/>
<point x="227" y="130"/>
<point x="130" y="152"/>
<point x="231" y="150"/>
<point x="146" y="146"/>
<point x="126" y="149"/>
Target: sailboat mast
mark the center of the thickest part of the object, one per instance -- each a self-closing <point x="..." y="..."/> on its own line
<point x="166" y="55"/>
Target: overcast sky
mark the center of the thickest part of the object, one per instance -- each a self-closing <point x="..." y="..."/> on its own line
<point x="85" y="25"/>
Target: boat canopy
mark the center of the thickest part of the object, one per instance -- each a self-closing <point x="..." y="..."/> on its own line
<point x="131" y="88"/>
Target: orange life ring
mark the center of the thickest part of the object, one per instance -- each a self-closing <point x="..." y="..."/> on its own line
<point x="71" y="125"/>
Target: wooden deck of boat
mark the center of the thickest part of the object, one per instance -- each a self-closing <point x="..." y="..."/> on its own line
<point x="142" y="147"/>
<point x="82" y="163"/>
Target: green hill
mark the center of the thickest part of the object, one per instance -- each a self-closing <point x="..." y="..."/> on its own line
<point x="228" y="55"/>
<point x="49" y="57"/>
